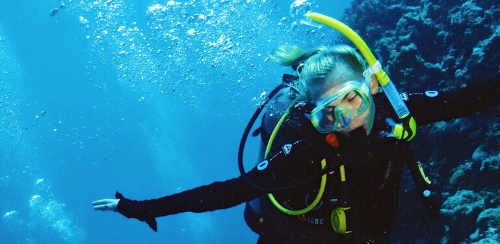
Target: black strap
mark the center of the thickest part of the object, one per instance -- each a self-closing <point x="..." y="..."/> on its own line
<point x="289" y="79"/>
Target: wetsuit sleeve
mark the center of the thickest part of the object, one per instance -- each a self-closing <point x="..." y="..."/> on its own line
<point x="218" y="195"/>
<point x="280" y="170"/>
<point x="451" y="105"/>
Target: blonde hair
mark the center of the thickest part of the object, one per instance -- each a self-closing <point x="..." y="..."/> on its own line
<point x="321" y="68"/>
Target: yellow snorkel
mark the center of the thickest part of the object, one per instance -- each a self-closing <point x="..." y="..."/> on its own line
<point x="408" y="129"/>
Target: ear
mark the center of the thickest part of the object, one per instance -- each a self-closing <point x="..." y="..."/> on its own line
<point x="374" y="85"/>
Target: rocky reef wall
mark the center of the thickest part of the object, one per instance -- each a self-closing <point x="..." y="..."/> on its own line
<point x="443" y="45"/>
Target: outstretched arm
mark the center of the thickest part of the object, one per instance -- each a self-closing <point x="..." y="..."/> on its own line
<point x="283" y="169"/>
<point x="451" y="105"/>
<point x="218" y="195"/>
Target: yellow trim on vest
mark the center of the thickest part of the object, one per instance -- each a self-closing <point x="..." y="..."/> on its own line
<point x="423" y="174"/>
<point x="342" y="173"/>
<point x="313" y="204"/>
<point x="323" y="165"/>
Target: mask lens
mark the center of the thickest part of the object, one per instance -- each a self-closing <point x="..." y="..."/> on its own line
<point x="354" y="102"/>
<point x="324" y="120"/>
<point x="344" y="119"/>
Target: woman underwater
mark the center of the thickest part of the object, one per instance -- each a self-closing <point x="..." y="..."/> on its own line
<point x="334" y="154"/>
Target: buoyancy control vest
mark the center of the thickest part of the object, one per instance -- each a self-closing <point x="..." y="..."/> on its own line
<point x="403" y="128"/>
<point x="337" y="209"/>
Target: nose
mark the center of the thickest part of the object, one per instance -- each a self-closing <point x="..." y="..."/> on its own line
<point x="345" y="120"/>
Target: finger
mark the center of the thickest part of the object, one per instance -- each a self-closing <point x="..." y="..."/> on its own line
<point x="100" y="207"/>
<point x="104" y="207"/>
<point x="102" y="201"/>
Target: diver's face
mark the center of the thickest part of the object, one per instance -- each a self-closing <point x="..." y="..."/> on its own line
<point x="345" y="111"/>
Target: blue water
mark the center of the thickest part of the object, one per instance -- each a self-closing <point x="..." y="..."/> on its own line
<point x="146" y="97"/>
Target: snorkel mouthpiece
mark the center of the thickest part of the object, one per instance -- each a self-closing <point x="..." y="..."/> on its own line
<point x="406" y="130"/>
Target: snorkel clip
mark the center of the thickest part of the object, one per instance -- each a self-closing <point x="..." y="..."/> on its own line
<point x="401" y="131"/>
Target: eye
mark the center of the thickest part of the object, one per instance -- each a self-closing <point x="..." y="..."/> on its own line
<point x="328" y="110"/>
<point x="351" y="96"/>
<point x="329" y="113"/>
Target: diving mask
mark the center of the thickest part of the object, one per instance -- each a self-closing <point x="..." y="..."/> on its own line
<point x="355" y="100"/>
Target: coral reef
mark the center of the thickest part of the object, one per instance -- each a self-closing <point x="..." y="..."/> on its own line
<point x="436" y="43"/>
<point x="443" y="45"/>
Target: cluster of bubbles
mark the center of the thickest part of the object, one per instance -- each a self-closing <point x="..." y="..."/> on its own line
<point x="16" y="172"/>
<point x="227" y="41"/>
<point x="299" y="8"/>
<point x="47" y="215"/>
<point x="185" y="47"/>
<point x="10" y="75"/>
<point x="209" y="35"/>
<point x="116" y="42"/>
<point x="9" y="126"/>
<point x="12" y="221"/>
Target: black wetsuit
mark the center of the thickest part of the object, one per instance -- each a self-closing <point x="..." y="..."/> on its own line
<point x="373" y="166"/>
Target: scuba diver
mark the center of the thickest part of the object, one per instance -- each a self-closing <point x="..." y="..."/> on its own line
<point x="334" y="143"/>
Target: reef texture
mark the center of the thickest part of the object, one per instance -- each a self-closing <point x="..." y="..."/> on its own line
<point x="443" y="45"/>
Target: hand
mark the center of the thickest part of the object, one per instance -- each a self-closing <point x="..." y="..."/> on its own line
<point x="128" y="208"/>
<point x="106" y="205"/>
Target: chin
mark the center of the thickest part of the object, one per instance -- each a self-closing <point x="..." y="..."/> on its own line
<point x="350" y="129"/>
<point x="365" y="126"/>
